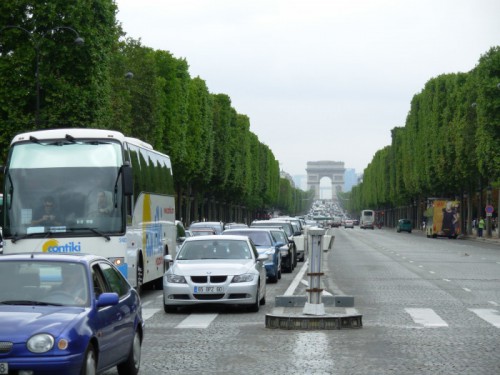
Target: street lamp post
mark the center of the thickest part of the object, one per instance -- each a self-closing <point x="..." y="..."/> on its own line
<point x="36" y="40"/>
<point x="488" y="215"/>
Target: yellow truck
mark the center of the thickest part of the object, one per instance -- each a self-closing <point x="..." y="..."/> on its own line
<point x="443" y="218"/>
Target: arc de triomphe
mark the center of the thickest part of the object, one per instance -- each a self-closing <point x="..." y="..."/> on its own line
<point x="334" y="170"/>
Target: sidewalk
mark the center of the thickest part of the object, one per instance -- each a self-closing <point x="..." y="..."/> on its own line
<point x="492" y="240"/>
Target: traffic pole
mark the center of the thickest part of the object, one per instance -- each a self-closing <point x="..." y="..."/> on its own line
<point x="314" y="305"/>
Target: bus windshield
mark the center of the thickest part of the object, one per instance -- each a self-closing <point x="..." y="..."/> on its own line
<point x="63" y="186"/>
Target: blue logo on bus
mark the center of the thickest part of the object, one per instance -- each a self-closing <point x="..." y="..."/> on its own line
<point x="53" y="246"/>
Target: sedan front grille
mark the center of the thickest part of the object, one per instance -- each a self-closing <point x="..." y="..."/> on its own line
<point x="5" y="346"/>
<point x="208" y="297"/>
<point x="218" y="279"/>
<point x="238" y="296"/>
<point x="205" y="279"/>
<point x="199" y="279"/>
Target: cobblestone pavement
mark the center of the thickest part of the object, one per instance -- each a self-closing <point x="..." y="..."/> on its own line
<point x="428" y="307"/>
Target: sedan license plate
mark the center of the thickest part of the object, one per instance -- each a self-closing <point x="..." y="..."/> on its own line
<point x="208" y="289"/>
<point x="4" y="368"/>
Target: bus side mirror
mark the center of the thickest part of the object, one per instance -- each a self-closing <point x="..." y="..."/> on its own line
<point x="128" y="185"/>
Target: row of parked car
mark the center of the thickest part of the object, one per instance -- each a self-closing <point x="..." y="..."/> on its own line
<point x="77" y="314"/>
<point x="232" y="264"/>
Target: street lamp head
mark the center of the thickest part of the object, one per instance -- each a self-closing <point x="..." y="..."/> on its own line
<point x="498" y="85"/>
<point x="129" y="75"/>
<point x="79" y="41"/>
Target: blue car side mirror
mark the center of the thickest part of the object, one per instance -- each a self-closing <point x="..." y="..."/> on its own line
<point x="107" y="299"/>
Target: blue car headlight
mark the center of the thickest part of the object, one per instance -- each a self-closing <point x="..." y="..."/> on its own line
<point x="40" y="343"/>
<point x="245" y="278"/>
<point x="176" y="279"/>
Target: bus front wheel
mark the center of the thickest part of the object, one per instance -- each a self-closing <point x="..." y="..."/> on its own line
<point x="140" y="278"/>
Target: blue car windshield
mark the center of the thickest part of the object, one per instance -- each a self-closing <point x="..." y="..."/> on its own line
<point x="43" y="283"/>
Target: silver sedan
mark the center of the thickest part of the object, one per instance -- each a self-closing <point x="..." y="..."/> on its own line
<point x="215" y="270"/>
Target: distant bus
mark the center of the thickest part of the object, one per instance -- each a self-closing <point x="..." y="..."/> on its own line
<point x="76" y="170"/>
<point x="367" y="219"/>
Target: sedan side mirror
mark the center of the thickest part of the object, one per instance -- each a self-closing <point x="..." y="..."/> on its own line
<point x="107" y="299"/>
<point x="262" y="257"/>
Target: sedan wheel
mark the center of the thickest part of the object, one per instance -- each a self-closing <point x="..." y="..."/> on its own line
<point x="89" y="364"/>
<point x="289" y="263"/>
<point x="254" y="307"/>
<point x="133" y="361"/>
<point x="168" y="308"/>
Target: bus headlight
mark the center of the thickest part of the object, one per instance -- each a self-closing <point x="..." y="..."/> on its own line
<point x="117" y="261"/>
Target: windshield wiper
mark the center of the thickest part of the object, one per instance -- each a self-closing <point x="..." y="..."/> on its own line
<point x="29" y="303"/>
<point x="16" y="238"/>
<point x="93" y="230"/>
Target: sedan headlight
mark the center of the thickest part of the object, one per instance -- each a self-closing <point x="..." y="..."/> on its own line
<point x="245" y="278"/>
<point x="176" y="279"/>
<point x="40" y="343"/>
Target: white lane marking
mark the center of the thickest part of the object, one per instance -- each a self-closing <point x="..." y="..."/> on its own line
<point x="197" y="321"/>
<point x="148" y="313"/>
<point x="493" y="303"/>
<point x="297" y="279"/>
<point x="446" y="280"/>
<point x="466" y="289"/>
<point x="489" y="315"/>
<point x="426" y="317"/>
<point x="432" y="272"/>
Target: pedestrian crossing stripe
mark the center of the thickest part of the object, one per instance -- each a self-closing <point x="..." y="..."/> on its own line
<point x="490" y="315"/>
<point x="426" y="317"/>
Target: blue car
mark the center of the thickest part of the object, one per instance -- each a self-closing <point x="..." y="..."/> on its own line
<point x="265" y="244"/>
<point x="67" y="314"/>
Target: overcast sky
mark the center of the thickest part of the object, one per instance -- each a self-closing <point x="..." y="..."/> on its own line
<point x="319" y="79"/>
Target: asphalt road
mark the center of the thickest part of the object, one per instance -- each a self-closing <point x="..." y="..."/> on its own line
<point x="429" y="306"/>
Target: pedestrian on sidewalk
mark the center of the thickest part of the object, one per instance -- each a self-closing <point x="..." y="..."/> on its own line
<point x="480" y="227"/>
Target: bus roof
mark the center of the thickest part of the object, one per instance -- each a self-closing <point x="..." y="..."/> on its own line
<point x="73" y="132"/>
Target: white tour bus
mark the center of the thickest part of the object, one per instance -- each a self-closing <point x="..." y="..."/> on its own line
<point x="367" y="219"/>
<point x="91" y="191"/>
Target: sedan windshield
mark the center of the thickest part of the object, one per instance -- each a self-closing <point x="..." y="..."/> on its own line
<point x="43" y="283"/>
<point x="231" y="249"/>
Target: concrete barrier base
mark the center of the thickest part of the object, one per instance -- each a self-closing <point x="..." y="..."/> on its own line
<point x="327" y="300"/>
<point x="308" y="322"/>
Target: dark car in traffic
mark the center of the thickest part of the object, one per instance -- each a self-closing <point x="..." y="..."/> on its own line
<point x="265" y="244"/>
<point x="404" y="225"/>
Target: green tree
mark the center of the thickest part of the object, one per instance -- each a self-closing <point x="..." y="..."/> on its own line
<point x="74" y="86"/>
